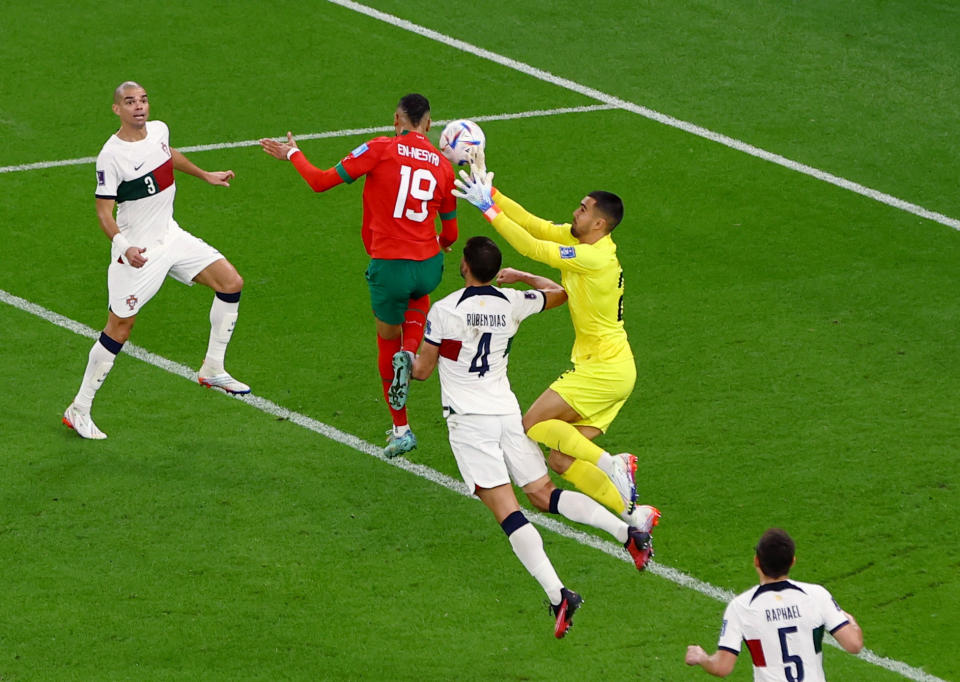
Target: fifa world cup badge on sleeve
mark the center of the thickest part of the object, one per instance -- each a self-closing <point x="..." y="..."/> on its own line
<point x="568" y="252"/>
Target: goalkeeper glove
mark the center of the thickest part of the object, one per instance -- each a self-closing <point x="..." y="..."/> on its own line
<point x="476" y="189"/>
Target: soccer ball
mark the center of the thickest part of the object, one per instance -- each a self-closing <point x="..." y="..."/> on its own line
<point x="459" y="137"/>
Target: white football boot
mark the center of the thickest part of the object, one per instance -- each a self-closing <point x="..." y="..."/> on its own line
<point x="224" y="382"/>
<point x="81" y="422"/>
<point x="623" y="476"/>
<point x="643" y="517"/>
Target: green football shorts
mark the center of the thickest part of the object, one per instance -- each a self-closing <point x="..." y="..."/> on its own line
<point x="393" y="283"/>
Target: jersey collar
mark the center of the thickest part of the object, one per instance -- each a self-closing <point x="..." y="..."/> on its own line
<point x="778" y="586"/>
<point x="485" y="290"/>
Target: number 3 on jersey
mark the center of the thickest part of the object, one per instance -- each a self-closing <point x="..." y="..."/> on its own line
<point x="418" y="184"/>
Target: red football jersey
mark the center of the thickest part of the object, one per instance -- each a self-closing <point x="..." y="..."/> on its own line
<point x="408" y="185"/>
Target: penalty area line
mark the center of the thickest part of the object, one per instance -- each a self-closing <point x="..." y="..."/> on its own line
<point x="646" y="112"/>
<point x="346" y="132"/>
<point x="332" y="433"/>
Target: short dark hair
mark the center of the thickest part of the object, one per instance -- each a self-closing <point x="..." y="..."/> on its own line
<point x="610" y="205"/>
<point x="123" y="87"/>
<point x="483" y="257"/>
<point x="775" y="553"/>
<point x="414" y="106"/>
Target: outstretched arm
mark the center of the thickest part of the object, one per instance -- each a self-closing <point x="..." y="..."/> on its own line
<point x="182" y="163"/>
<point x="535" y="225"/>
<point x="280" y="150"/>
<point x="538" y="227"/>
<point x="565" y="255"/>
<point x="319" y="180"/>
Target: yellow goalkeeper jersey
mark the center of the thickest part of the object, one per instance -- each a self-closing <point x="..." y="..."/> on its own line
<point x="590" y="273"/>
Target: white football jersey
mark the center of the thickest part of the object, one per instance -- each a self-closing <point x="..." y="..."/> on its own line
<point x="139" y="177"/>
<point x="474" y="328"/>
<point x="782" y="624"/>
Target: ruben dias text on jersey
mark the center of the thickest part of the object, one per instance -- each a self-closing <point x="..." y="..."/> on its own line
<point x="419" y="154"/>
<point x="484" y="320"/>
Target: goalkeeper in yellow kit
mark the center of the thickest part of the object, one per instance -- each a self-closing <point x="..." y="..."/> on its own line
<point x="583" y="402"/>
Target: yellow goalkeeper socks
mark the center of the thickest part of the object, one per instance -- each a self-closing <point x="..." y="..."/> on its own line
<point x="590" y="480"/>
<point x="559" y="435"/>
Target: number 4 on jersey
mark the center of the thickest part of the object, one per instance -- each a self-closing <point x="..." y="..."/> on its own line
<point x="479" y="362"/>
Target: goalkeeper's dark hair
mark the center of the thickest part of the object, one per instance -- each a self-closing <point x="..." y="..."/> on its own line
<point x="775" y="553"/>
<point x="483" y="257"/>
<point x="415" y="107"/>
<point x="610" y="205"/>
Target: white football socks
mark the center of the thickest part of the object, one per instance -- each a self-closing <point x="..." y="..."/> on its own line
<point x="223" y="318"/>
<point x="605" y="463"/>
<point x="582" y="509"/>
<point x="99" y="363"/>
<point x="528" y="546"/>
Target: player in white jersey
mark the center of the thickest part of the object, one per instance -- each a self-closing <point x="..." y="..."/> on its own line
<point x="781" y="621"/>
<point x="135" y="176"/>
<point x="468" y="334"/>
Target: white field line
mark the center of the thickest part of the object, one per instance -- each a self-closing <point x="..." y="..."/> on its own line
<point x="347" y="132"/>
<point x="618" y="103"/>
<point x="549" y="522"/>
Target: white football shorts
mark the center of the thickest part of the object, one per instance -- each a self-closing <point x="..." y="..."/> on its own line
<point x="182" y="257"/>
<point x="492" y="450"/>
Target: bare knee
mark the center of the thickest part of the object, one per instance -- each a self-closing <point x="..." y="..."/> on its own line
<point x="119" y="328"/>
<point x="221" y="276"/>
<point x="232" y="284"/>
<point x="540" y="500"/>
<point x="539" y="493"/>
<point x="235" y="284"/>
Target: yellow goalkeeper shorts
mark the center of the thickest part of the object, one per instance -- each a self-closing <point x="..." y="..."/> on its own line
<point x="597" y="390"/>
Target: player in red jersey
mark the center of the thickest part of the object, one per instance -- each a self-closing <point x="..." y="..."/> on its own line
<point x="408" y="186"/>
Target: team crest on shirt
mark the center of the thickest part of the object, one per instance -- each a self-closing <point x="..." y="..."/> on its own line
<point x="131" y="301"/>
<point x="568" y="252"/>
<point x="359" y="150"/>
<point x="101" y="178"/>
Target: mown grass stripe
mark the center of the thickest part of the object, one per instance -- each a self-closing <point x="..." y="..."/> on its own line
<point x="346" y="132"/>
<point x="646" y="112"/>
<point x="548" y="522"/>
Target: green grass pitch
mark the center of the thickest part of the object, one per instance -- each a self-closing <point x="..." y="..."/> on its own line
<point x="796" y="342"/>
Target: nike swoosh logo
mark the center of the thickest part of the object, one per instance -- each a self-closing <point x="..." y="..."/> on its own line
<point x="137" y="167"/>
